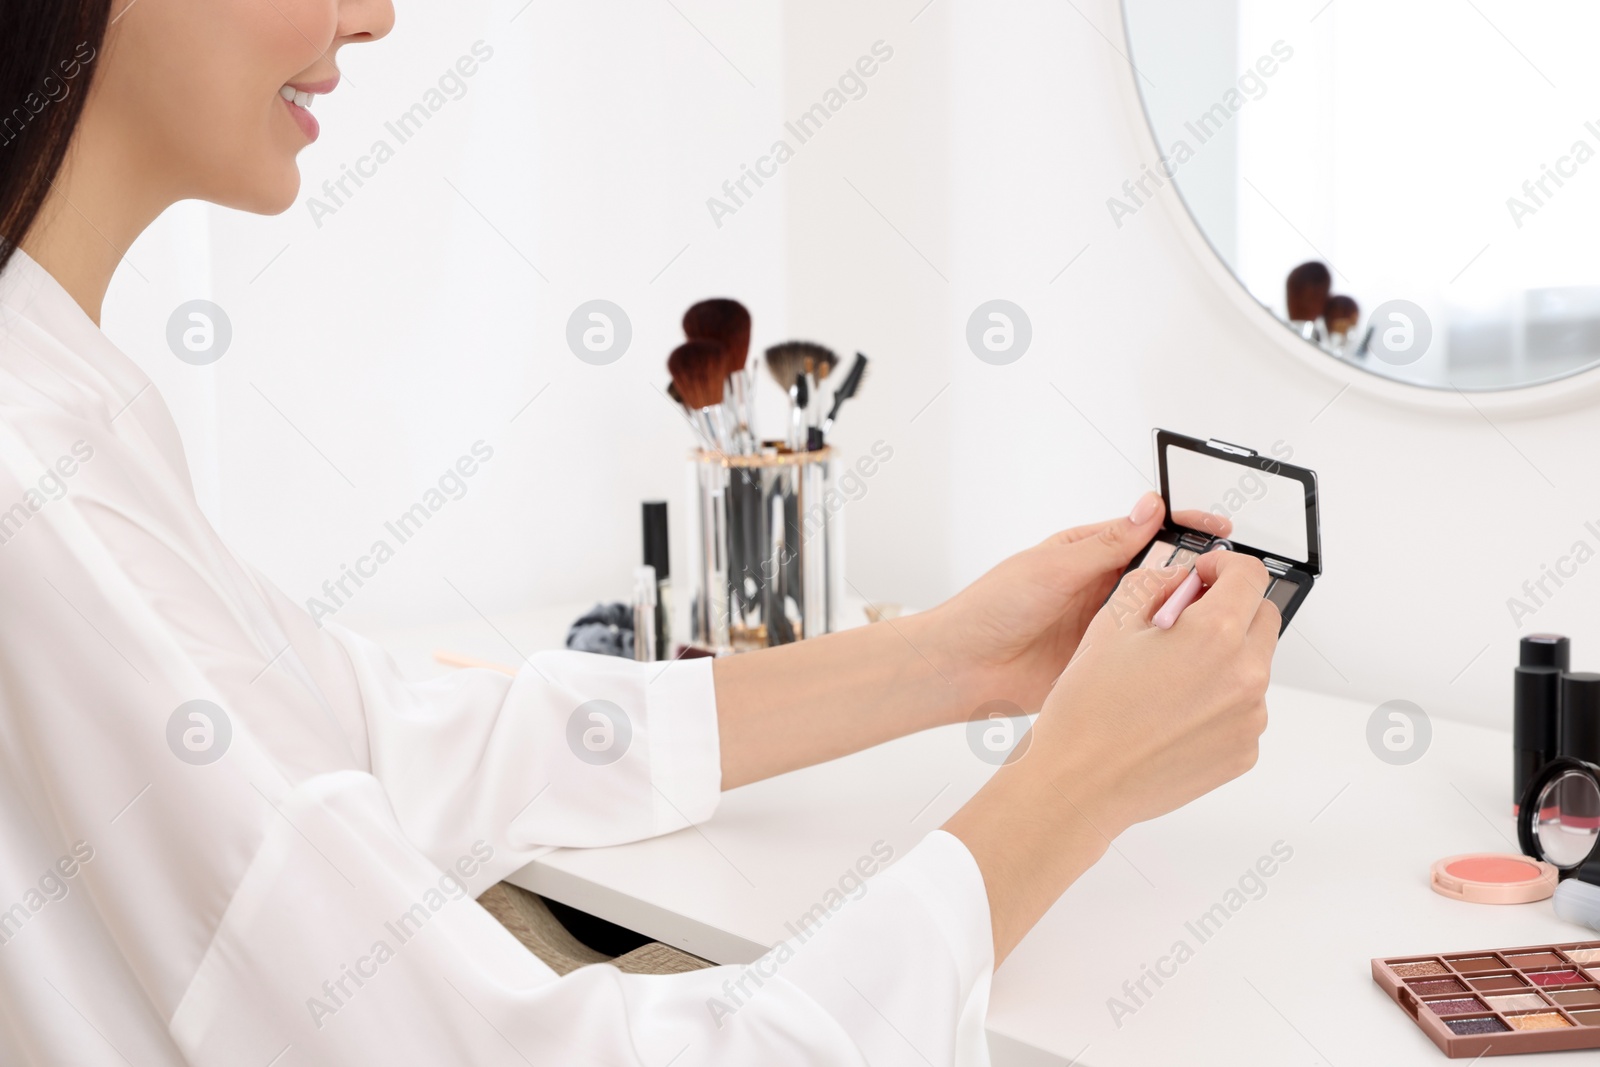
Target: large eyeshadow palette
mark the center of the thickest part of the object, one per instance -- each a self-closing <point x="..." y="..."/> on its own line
<point x="1500" y="1002"/>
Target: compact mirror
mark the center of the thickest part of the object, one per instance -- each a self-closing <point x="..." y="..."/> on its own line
<point x="1264" y="508"/>
<point x="1217" y="494"/>
<point x="1425" y="167"/>
<point x="1559" y="818"/>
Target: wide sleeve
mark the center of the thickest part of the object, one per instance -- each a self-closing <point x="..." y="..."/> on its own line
<point x="279" y="841"/>
<point x="575" y="749"/>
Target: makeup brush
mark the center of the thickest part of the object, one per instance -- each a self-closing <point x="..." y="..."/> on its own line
<point x="792" y="360"/>
<point x="696" y="368"/>
<point x="846" y="390"/>
<point x="801" y="396"/>
<point x="726" y="323"/>
<point x="819" y="365"/>
<point x="1306" y="295"/>
<point x="1342" y="316"/>
<point x="787" y="361"/>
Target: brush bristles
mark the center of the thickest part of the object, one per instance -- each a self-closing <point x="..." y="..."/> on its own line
<point x="795" y="359"/>
<point x="1307" y="291"/>
<point x="1342" y="314"/>
<point x="725" y="323"/>
<point x="696" y="369"/>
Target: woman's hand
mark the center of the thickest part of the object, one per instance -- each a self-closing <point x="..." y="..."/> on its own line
<point x="1009" y="634"/>
<point x="1143" y="721"/>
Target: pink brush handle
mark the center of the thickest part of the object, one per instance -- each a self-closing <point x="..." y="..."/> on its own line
<point x="1181" y="598"/>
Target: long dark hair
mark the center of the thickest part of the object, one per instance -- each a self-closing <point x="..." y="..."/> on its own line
<point x="48" y="54"/>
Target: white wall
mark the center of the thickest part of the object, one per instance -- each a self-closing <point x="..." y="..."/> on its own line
<point x="981" y="158"/>
<point x="1432" y="516"/>
<point x="407" y="325"/>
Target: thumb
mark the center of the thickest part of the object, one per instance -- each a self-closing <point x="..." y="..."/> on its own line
<point x="1108" y="547"/>
<point x="1140" y="595"/>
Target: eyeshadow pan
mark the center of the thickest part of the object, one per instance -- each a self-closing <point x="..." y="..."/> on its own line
<point x="1158" y="555"/>
<point x="1515" y="1002"/>
<point x="1429" y="987"/>
<point x="1470" y="964"/>
<point x="1486" y="1025"/>
<point x="1459" y="1006"/>
<point x="1281" y="592"/>
<point x="1183" y="557"/>
<point x="1500" y="1001"/>
<point x="1535" y="959"/>
<point x="1574" y="998"/>
<point x="1555" y="977"/>
<point x="1419" y="970"/>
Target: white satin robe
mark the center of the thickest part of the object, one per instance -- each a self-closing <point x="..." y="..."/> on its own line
<point x="234" y="913"/>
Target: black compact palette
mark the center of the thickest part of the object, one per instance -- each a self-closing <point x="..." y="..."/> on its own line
<point x="1223" y="495"/>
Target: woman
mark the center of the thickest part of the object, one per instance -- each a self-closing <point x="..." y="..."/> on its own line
<point x="278" y="875"/>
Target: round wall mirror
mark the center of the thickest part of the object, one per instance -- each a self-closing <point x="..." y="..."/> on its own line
<point x="1414" y="188"/>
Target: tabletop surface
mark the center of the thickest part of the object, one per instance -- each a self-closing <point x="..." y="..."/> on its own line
<point x="1284" y="978"/>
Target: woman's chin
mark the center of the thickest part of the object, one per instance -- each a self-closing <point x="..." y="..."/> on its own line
<point x="272" y="192"/>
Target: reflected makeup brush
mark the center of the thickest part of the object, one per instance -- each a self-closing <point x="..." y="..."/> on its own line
<point x="726" y="323"/>
<point x="1342" y="316"/>
<point x="696" y="368"/>
<point x="1306" y="293"/>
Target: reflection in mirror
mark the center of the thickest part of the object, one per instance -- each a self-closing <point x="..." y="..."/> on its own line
<point x="1268" y="511"/>
<point x="1431" y="158"/>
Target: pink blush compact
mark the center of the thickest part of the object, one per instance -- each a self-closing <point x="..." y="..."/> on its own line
<point x="1488" y="878"/>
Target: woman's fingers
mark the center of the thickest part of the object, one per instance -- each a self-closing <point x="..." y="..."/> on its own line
<point x="1205" y="521"/>
<point x="1107" y="547"/>
<point x="1236" y="587"/>
<point x="1141" y="593"/>
<point x="1262" y="638"/>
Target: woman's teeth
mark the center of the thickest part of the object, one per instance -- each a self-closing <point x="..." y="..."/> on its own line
<point x="294" y="96"/>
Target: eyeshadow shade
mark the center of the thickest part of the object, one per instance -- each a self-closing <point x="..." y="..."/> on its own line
<point x="1281" y="592"/>
<point x="1516" y="1002"/>
<point x="1183" y="557"/>
<point x="1469" y="964"/>
<point x="1535" y="959"/>
<point x="1555" y="977"/>
<point x="1430" y="987"/>
<point x="1158" y="555"/>
<point x="1582" y="955"/>
<point x="1455" y="1007"/>
<point x="1586" y="1018"/>
<point x="1495" y="983"/>
<point x="1466" y="1027"/>
<point x="1419" y="970"/>
<point x="1544" y="1020"/>
<point x="1574" y="998"/>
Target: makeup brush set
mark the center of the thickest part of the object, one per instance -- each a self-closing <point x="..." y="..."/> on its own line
<point x="715" y="385"/>
<point x="1322" y="317"/>
<point x="766" y="540"/>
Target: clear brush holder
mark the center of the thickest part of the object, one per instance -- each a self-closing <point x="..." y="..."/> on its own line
<point x="766" y="549"/>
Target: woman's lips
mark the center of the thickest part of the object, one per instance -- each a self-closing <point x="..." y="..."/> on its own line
<point x="298" y="97"/>
<point x="306" y="120"/>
